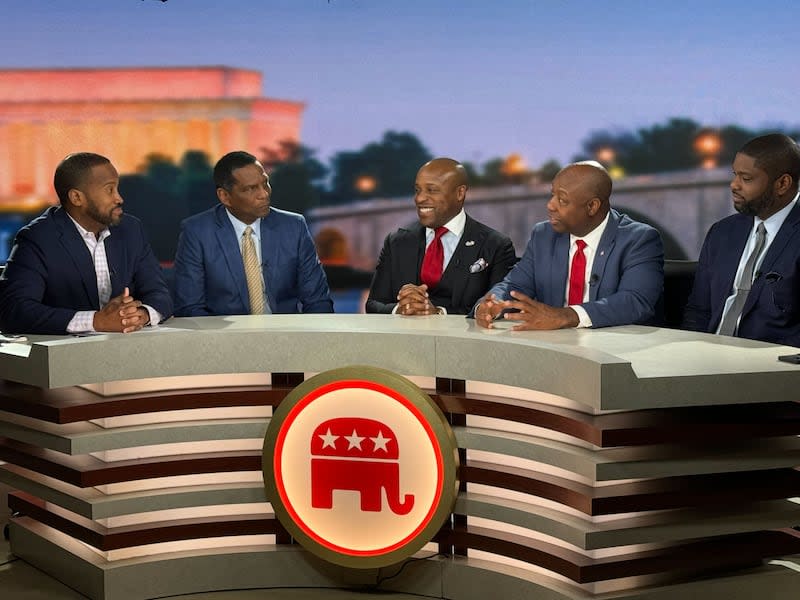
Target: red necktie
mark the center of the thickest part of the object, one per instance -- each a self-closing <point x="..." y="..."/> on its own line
<point x="431" y="271"/>
<point x="577" y="275"/>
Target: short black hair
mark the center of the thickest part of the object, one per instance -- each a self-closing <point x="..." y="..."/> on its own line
<point x="775" y="154"/>
<point x="72" y="170"/>
<point x="223" y="170"/>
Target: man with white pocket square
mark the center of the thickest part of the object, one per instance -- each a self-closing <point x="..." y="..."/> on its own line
<point x="446" y="261"/>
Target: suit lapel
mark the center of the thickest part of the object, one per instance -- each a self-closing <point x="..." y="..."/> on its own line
<point x="115" y="256"/>
<point x="270" y="235"/>
<point x="410" y="243"/>
<point x="554" y="294"/>
<point x="466" y="253"/>
<point x="229" y="246"/>
<point x="604" y="248"/>
<point x="76" y="249"/>
<point x="785" y="234"/>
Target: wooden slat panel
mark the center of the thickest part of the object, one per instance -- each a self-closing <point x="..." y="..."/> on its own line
<point x="114" y="538"/>
<point x="654" y="494"/>
<point x="680" y="425"/>
<point x="86" y="471"/>
<point x="731" y="551"/>
<point x="72" y="404"/>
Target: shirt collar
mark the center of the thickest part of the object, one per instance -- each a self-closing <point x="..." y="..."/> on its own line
<point x="592" y="238"/>
<point x="773" y="224"/>
<point x="455" y="225"/>
<point x="239" y="227"/>
<point x="85" y="233"/>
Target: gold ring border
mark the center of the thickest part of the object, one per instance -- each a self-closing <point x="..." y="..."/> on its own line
<point x="441" y="429"/>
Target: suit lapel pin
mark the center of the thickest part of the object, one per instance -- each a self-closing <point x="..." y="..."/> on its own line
<point x="478" y="266"/>
<point x="469" y="243"/>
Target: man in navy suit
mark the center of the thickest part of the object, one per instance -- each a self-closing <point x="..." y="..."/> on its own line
<point x="765" y="189"/>
<point x="472" y="258"/>
<point x="587" y="266"/>
<point x="83" y="266"/>
<point x="210" y="276"/>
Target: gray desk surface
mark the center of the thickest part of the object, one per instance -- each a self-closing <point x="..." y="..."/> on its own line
<point x="630" y="367"/>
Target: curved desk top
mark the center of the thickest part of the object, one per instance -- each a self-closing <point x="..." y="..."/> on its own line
<point x="631" y="367"/>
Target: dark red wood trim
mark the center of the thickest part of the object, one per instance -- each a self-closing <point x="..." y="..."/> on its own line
<point x="73" y="404"/>
<point x="87" y="471"/>
<point x="713" y="490"/>
<point x="114" y="538"/>
<point x="732" y="551"/>
<point x="696" y="425"/>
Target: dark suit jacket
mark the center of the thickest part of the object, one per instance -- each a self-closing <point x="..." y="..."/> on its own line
<point x="772" y="310"/>
<point x="50" y="274"/>
<point x="401" y="260"/>
<point x="209" y="272"/>
<point x="627" y="277"/>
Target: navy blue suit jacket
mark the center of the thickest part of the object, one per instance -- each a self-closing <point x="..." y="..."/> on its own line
<point x="627" y="278"/>
<point x="401" y="260"/>
<point x="209" y="272"/>
<point x="772" y="310"/>
<point x="50" y="274"/>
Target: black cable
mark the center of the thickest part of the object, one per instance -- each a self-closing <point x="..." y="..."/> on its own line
<point x="403" y="566"/>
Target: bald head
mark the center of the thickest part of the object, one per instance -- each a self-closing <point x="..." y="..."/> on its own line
<point x="439" y="191"/>
<point x="593" y="177"/>
<point x="448" y="168"/>
<point x="580" y="198"/>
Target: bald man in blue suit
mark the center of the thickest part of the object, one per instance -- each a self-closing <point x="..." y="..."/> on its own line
<point x="623" y="275"/>
<point x="209" y="269"/>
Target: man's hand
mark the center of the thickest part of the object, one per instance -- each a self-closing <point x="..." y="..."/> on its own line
<point x="535" y="315"/>
<point x="487" y="311"/>
<point x="413" y="300"/>
<point x="122" y="314"/>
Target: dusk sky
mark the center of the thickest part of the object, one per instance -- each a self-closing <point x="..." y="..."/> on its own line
<point x="473" y="79"/>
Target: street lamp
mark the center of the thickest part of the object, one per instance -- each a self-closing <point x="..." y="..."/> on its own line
<point x="708" y="145"/>
<point x="366" y="184"/>
<point x="514" y="167"/>
<point x="606" y="155"/>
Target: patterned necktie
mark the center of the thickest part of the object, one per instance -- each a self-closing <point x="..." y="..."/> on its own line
<point x="432" y="264"/>
<point x="730" y="320"/>
<point x="252" y="272"/>
<point x="577" y="275"/>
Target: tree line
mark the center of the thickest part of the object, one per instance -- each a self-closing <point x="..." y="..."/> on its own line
<point x="164" y="192"/>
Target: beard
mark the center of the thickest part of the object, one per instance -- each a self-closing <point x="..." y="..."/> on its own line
<point x="108" y="218"/>
<point x="757" y="206"/>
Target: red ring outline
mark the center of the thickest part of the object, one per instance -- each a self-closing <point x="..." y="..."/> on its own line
<point x="281" y="437"/>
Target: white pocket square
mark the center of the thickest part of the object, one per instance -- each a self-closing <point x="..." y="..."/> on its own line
<point x="478" y="266"/>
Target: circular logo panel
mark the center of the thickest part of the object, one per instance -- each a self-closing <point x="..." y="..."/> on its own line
<point x="360" y="466"/>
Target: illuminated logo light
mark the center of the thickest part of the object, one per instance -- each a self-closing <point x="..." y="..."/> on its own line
<point x="360" y="466"/>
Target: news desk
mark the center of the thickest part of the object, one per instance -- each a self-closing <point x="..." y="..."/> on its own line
<point x="629" y="463"/>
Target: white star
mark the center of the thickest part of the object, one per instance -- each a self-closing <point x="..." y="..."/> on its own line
<point x="329" y="440"/>
<point x="380" y="442"/>
<point x="355" y="440"/>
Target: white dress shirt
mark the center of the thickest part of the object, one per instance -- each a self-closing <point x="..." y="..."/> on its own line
<point x="592" y="240"/>
<point x="83" y="320"/>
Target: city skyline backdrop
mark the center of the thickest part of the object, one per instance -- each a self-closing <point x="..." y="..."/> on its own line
<point x="472" y="80"/>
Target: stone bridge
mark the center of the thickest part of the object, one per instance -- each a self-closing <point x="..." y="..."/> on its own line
<point x="682" y="205"/>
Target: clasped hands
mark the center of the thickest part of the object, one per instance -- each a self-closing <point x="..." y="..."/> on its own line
<point x="531" y="314"/>
<point x="122" y="314"/>
<point x="413" y="300"/>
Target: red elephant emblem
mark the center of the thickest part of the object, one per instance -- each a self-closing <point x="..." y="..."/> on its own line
<point x="350" y="453"/>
